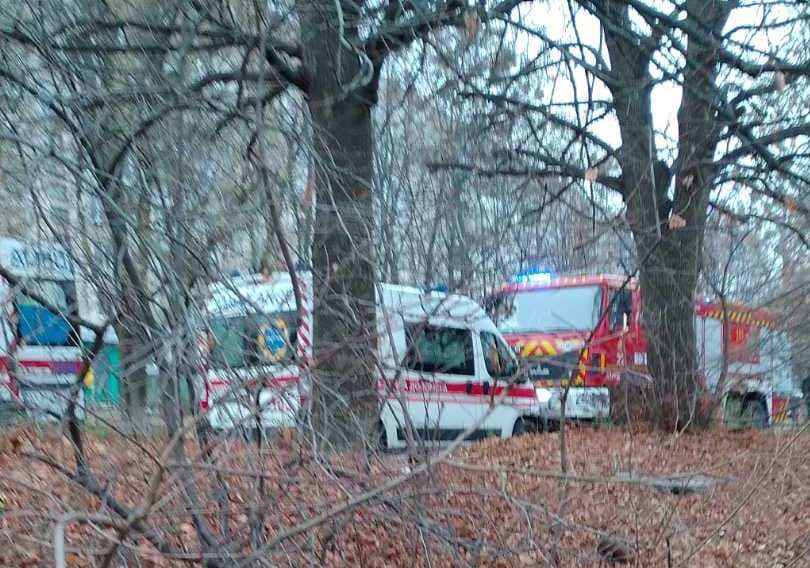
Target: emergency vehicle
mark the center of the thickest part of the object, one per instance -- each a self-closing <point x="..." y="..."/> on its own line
<point x="548" y="320"/>
<point x="254" y="353"/>
<point x="746" y="359"/>
<point x="443" y="364"/>
<point x="39" y="350"/>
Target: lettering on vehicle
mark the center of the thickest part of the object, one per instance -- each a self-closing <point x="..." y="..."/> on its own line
<point x="406" y="386"/>
<point x="594" y="399"/>
<point x="570" y="344"/>
<point x="640" y="358"/>
<point x="422" y="386"/>
<point x="247" y="301"/>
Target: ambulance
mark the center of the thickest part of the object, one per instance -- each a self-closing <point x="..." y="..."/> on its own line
<point x="40" y="352"/>
<point x="444" y="368"/>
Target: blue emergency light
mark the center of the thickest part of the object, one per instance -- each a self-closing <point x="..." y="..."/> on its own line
<point x="439" y="288"/>
<point x="536" y="275"/>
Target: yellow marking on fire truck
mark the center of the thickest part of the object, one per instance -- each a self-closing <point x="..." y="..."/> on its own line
<point x="736" y="316"/>
<point x="549" y="347"/>
<point x="528" y="349"/>
<point x="582" y="368"/>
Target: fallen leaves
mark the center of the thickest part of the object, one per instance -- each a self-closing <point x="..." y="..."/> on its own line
<point x="492" y="517"/>
<point x="676" y="222"/>
<point x="614" y="551"/>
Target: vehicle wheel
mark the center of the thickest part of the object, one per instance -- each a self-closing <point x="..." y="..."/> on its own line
<point x="523" y="426"/>
<point x="204" y="429"/>
<point x="382" y="439"/>
<point x="755" y="414"/>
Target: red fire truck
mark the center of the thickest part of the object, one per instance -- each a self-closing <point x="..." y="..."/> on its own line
<point x="548" y="320"/>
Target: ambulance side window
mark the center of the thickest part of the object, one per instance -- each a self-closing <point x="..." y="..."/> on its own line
<point x="433" y="349"/>
<point x="498" y="357"/>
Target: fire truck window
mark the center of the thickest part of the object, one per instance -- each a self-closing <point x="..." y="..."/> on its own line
<point x="500" y="307"/>
<point x="621" y="309"/>
<point x="499" y="360"/>
<point x="575" y="308"/>
<point x="434" y="349"/>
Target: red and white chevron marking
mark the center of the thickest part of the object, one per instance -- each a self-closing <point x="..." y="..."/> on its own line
<point x="304" y="331"/>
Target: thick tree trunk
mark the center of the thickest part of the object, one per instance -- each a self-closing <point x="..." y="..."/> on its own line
<point x="344" y="395"/>
<point x="133" y="378"/>
<point x="671" y="342"/>
<point x="671" y="257"/>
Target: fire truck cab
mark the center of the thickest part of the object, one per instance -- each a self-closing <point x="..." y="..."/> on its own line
<point x="557" y="328"/>
<point x="560" y="329"/>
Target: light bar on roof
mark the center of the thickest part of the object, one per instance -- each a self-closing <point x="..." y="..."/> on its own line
<point x="533" y="276"/>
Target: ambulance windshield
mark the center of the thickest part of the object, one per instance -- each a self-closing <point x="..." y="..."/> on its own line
<point x="547" y="310"/>
<point x="36" y="324"/>
<point x="253" y="339"/>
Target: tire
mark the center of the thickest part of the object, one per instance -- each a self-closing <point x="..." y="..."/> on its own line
<point x="382" y="438"/>
<point x="524" y="426"/>
<point x="755" y="413"/>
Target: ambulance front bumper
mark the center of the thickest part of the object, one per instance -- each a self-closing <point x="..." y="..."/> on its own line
<point x="585" y="403"/>
<point x="275" y="410"/>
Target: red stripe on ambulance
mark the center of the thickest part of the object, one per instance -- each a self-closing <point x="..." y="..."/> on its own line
<point x="473" y="389"/>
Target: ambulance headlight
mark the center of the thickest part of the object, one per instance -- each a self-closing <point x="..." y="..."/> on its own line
<point x="543" y="395"/>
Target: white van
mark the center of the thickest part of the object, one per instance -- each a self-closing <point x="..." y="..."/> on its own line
<point x="253" y="357"/>
<point x="39" y="350"/>
<point x="444" y="363"/>
<point x="445" y="366"/>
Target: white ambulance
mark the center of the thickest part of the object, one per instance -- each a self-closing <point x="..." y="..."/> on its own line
<point x="253" y="355"/>
<point x="444" y="365"/>
<point x="39" y="350"/>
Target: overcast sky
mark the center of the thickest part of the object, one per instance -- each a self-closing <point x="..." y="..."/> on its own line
<point x="555" y="18"/>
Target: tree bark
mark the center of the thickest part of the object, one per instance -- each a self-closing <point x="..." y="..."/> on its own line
<point x="345" y="404"/>
<point x="673" y="255"/>
<point x="133" y="380"/>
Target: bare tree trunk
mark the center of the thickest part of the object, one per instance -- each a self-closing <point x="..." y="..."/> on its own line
<point x="133" y="377"/>
<point x="344" y="396"/>
<point x="669" y="278"/>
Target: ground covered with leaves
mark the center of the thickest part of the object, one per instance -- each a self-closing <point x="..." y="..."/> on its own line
<point x="493" y="503"/>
